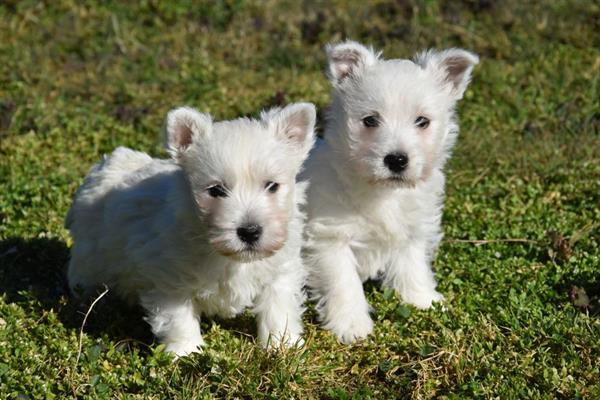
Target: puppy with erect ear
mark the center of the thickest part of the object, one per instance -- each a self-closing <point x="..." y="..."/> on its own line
<point x="290" y="124"/>
<point x="453" y="68"/>
<point x="184" y="126"/>
<point x="377" y="181"/>
<point x="348" y="60"/>
<point x="213" y="231"/>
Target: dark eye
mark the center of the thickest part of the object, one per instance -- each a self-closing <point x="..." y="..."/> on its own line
<point x="422" y="122"/>
<point x="272" y="187"/>
<point x="370" y="121"/>
<point x="217" y="191"/>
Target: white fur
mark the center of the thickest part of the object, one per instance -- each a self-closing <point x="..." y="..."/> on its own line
<point x="152" y="232"/>
<point x="364" y="221"/>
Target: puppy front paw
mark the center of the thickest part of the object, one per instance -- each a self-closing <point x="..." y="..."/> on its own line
<point x="351" y="327"/>
<point x="184" y="348"/>
<point x="422" y="299"/>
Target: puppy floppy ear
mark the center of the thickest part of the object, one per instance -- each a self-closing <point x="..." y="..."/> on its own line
<point x="453" y="65"/>
<point x="348" y="59"/>
<point x="183" y="127"/>
<point x="294" y="124"/>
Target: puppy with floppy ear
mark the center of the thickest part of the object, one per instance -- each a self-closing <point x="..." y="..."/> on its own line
<point x="213" y="231"/>
<point x="377" y="183"/>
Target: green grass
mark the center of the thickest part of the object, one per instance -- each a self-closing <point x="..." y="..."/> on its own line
<point x="77" y="80"/>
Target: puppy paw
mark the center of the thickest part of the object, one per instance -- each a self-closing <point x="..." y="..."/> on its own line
<point x="422" y="299"/>
<point x="184" y="348"/>
<point x="350" y="328"/>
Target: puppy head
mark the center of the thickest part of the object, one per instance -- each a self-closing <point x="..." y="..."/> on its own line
<point x="242" y="174"/>
<point x="395" y="117"/>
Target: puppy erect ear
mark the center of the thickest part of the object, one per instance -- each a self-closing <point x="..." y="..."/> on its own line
<point x="348" y="59"/>
<point x="185" y="125"/>
<point x="294" y="124"/>
<point x="454" y="66"/>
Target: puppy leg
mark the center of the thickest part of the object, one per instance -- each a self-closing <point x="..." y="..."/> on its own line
<point x="174" y="323"/>
<point x="342" y="305"/>
<point x="278" y="310"/>
<point x="410" y="274"/>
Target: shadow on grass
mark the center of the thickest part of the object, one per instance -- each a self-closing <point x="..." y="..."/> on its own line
<point x="582" y="291"/>
<point x="33" y="275"/>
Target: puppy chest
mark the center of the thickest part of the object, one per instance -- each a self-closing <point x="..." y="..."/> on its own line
<point x="226" y="298"/>
<point x="376" y="232"/>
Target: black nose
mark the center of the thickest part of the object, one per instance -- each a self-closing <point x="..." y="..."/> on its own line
<point x="249" y="233"/>
<point x="396" y="162"/>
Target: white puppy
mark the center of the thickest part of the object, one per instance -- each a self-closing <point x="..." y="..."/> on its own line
<point x="377" y="185"/>
<point x="213" y="231"/>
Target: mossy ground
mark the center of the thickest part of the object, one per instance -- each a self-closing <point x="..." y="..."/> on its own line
<point x="80" y="78"/>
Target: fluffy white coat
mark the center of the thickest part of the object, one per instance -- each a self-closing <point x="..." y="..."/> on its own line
<point x="163" y="232"/>
<point x="366" y="221"/>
